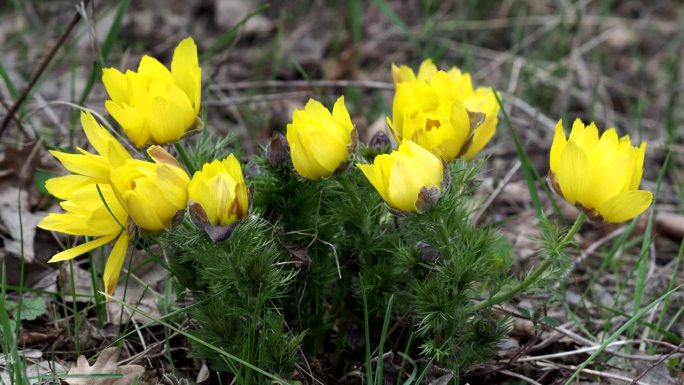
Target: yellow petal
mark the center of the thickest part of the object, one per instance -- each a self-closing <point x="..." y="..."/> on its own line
<point x="82" y="248"/>
<point x="63" y="186"/>
<point x="444" y="86"/>
<point x="170" y="117"/>
<point x="577" y="132"/>
<point x="341" y="115"/>
<point x="116" y="85"/>
<point x="484" y="101"/>
<point x="232" y="166"/>
<point x="626" y="205"/>
<point x="404" y="184"/>
<point x="557" y="146"/>
<point x="427" y="70"/>
<point x="402" y="74"/>
<point x="150" y="68"/>
<point x="101" y="140"/>
<point x="131" y="120"/>
<point x="378" y="174"/>
<point x="303" y="157"/>
<point x="573" y="174"/>
<point x="187" y="72"/>
<point x="95" y="166"/>
<point x="429" y="168"/>
<point x="115" y="263"/>
<point x="638" y="167"/>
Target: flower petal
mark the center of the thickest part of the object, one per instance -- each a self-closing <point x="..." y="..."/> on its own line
<point x="116" y="85"/>
<point x="115" y="263"/>
<point x="63" y="186"/>
<point x="573" y="174"/>
<point x="187" y="72"/>
<point x="557" y="146"/>
<point x="626" y="205"/>
<point x="82" y="248"/>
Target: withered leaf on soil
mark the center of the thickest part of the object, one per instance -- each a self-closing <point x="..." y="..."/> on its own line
<point x="17" y="223"/>
<point x="105" y="364"/>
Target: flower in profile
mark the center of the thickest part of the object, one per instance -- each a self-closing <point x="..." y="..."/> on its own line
<point x="90" y="205"/>
<point x="600" y="176"/>
<point x="93" y="210"/>
<point x="409" y="178"/>
<point x="320" y="142"/>
<point x="481" y="99"/>
<point x="86" y="167"/>
<point x="218" y="197"/>
<point x="151" y="193"/>
<point x="155" y="105"/>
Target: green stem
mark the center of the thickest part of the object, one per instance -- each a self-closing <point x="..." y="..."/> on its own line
<point x="534" y="275"/>
<point x="184" y="158"/>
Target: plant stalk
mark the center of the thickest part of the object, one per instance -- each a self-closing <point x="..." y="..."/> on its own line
<point x="535" y="274"/>
<point x="184" y="158"/>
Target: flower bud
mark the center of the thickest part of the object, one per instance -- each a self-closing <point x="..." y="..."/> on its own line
<point x="278" y="151"/>
<point x="600" y="176"/>
<point x="380" y="142"/>
<point x="151" y="193"/>
<point x="320" y="142"/>
<point x="218" y="197"/>
<point x="155" y="105"/>
<point x="409" y="178"/>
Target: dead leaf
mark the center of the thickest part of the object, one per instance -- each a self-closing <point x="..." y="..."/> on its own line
<point x="36" y="372"/>
<point x="669" y="224"/>
<point x="229" y="13"/>
<point x="203" y="374"/>
<point x="105" y="364"/>
<point x="17" y="224"/>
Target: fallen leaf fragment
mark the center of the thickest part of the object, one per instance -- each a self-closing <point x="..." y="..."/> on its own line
<point x="105" y="364"/>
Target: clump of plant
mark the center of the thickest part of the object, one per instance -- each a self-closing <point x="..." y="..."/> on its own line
<point x="334" y="251"/>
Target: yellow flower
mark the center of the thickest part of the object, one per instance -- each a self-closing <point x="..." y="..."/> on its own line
<point x="151" y="193"/>
<point x="220" y="190"/>
<point x="320" y="142"/>
<point x="601" y="176"/>
<point x="409" y="178"/>
<point x="154" y="104"/>
<point x="431" y="114"/>
<point x="92" y="210"/>
<point x="481" y="99"/>
<point x="87" y="168"/>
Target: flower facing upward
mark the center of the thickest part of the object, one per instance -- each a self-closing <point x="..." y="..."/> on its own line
<point x="433" y="115"/>
<point x="151" y="193"/>
<point x="480" y="99"/>
<point x="600" y="176"/>
<point x="154" y="104"/>
<point x="409" y="178"/>
<point x="320" y="142"/>
<point x="219" y="189"/>
<point x="87" y="168"/>
<point x="92" y="210"/>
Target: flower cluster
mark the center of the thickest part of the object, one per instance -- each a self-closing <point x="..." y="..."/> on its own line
<point x="437" y="117"/>
<point x="109" y="194"/>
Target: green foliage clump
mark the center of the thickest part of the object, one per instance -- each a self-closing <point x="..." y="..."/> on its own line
<point x="325" y="269"/>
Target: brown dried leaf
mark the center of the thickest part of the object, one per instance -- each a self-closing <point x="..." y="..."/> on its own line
<point x="105" y="364"/>
<point x="18" y="223"/>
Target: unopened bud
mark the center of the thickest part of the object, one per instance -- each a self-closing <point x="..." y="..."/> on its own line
<point x="278" y="151"/>
<point x="380" y="142"/>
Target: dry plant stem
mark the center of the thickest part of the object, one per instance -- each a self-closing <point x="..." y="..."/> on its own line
<point x="534" y="275"/>
<point x="15" y="107"/>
